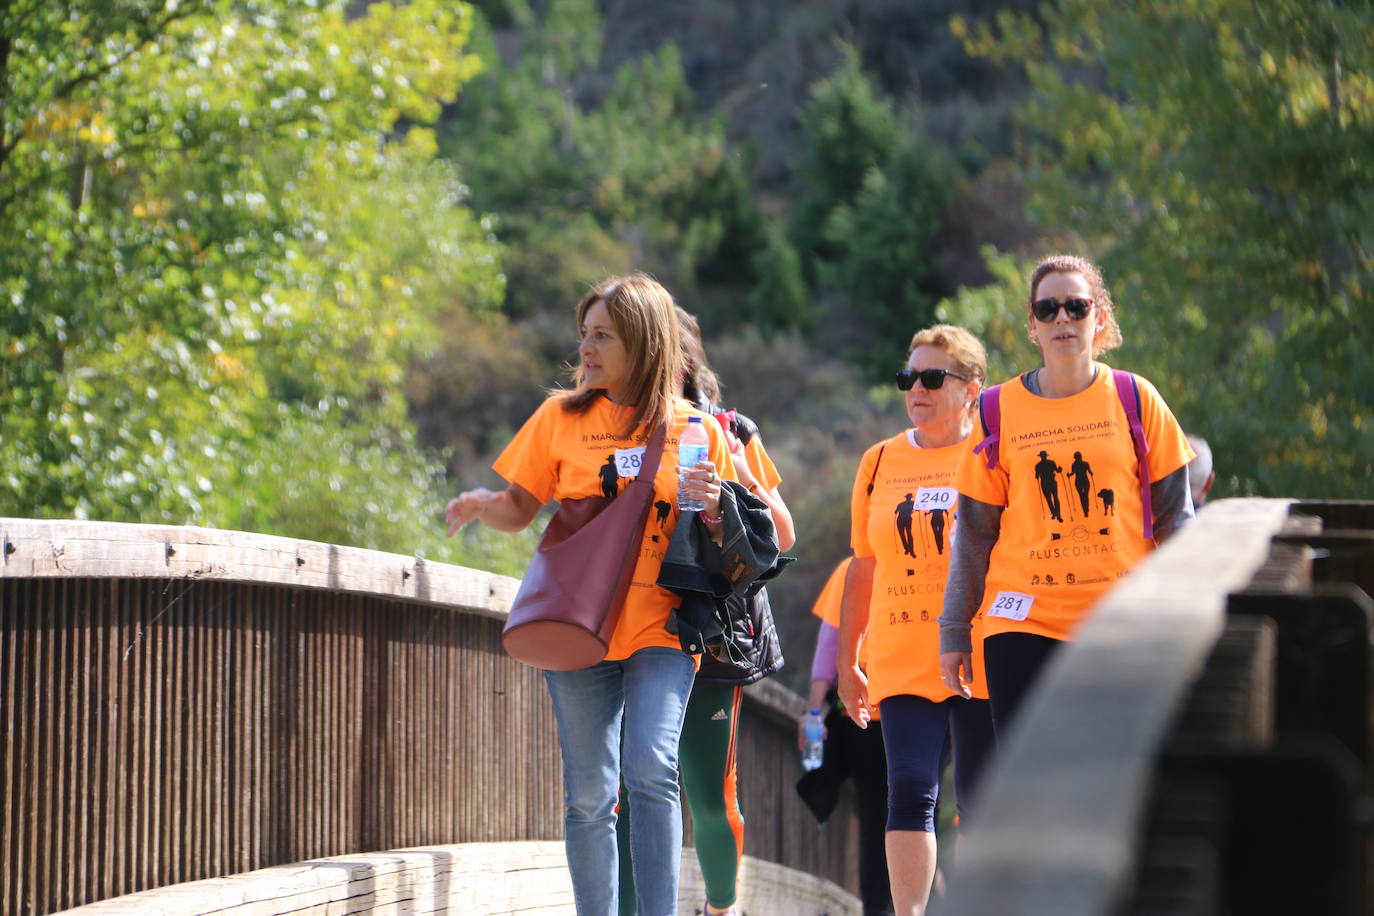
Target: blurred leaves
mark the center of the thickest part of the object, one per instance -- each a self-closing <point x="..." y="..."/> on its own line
<point x="225" y="238"/>
<point x="1214" y="156"/>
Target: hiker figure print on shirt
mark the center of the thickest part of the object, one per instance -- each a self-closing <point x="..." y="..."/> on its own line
<point x="1047" y="472"/>
<point x="610" y="477"/>
<point x="904" y="511"/>
<point x="937" y="528"/>
<point x="1082" y="474"/>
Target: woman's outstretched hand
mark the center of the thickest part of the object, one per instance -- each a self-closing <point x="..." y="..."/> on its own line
<point x="465" y="507"/>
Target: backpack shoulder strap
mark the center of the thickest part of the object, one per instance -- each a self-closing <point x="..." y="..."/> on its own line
<point x="874" y="475"/>
<point x="1128" y="391"/>
<point x="990" y="412"/>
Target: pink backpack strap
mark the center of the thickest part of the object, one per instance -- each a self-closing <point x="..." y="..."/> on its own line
<point x="990" y="411"/>
<point x="1129" y="394"/>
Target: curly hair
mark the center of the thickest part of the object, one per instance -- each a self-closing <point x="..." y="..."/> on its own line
<point x="959" y="344"/>
<point x="1110" y="335"/>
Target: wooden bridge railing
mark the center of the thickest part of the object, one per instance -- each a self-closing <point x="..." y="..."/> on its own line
<point x="1204" y="746"/>
<point x="181" y="703"/>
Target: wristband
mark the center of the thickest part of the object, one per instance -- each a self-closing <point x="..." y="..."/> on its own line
<point x="709" y="519"/>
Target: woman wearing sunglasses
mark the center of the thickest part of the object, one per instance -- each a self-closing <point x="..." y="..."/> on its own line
<point x="1052" y="508"/>
<point x="901" y="514"/>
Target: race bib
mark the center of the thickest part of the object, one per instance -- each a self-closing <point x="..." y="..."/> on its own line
<point x="628" y="461"/>
<point x="1011" y="605"/>
<point x="928" y="498"/>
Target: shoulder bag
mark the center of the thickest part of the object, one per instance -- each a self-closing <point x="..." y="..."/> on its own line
<point x="569" y="602"/>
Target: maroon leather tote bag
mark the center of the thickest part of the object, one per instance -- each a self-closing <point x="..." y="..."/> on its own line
<point x="569" y="601"/>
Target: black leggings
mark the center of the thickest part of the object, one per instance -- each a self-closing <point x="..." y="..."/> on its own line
<point x="1013" y="662"/>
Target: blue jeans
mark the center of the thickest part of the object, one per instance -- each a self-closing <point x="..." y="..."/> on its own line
<point x="649" y="691"/>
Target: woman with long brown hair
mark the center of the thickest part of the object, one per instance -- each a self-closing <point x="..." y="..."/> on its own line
<point x="1031" y="557"/>
<point x="627" y="382"/>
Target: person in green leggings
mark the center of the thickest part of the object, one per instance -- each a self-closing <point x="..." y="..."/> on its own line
<point x="710" y="731"/>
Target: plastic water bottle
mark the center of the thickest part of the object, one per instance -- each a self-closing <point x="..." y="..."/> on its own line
<point x="814" y="729"/>
<point x="691" y="448"/>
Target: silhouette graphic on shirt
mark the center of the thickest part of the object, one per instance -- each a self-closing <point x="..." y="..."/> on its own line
<point x="1082" y="474"/>
<point x="905" y="509"/>
<point x="1108" y="501"/>
<point x="937" y="528"/>
<point x="661" y="510"/>
<point x="610" y="478"/>
<point x="1046" y="471"/>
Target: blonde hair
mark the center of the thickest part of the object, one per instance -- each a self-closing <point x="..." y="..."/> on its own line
<point x="1110" y="335"/>
<point x="959" y="344"/>
<point x="642" y="312"/>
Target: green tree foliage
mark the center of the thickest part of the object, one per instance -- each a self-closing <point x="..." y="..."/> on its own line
<point x="1215" y="155"/>
<point x="595" y="173"/>
<point x="884" y="244"/>
<point x="220" y="252"/>
<point x="869" y="219"/>
<point x="848" y="131"/>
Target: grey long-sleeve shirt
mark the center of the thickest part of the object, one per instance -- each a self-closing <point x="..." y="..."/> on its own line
<point x="980" y="524"/>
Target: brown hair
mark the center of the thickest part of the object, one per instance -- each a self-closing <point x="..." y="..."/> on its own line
<point x="960" y="344"/>
<point x="642" y="312"/>
<point x="700" y="385"/>
<point x="1072" y="264"/>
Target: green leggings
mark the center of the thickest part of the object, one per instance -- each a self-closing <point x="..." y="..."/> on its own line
<point x="706" y="759"/>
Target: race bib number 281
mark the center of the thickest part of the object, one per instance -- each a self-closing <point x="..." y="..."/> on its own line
<point x="1011" y="605"/>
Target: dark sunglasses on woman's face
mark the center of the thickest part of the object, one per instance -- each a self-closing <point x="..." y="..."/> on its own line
<point x="931" y="379"/>
<point x="1048" y="309"/>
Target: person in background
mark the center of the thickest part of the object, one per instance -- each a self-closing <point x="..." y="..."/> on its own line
<point x="892" y="599"/>
<point x="851" y="753"/>
<point x="1031" y="574"/>
<point x="707" y="753"/>
<point x="627" y="385"/>
<point x="1201" y="476"/>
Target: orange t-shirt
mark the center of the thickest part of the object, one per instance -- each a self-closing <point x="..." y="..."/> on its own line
<point x="765" y="472"/>
<point x="562" y="455"/>
<point x="1068" y="477"/>
<point x="827" y="606"/>
<point x="907" y="525"/>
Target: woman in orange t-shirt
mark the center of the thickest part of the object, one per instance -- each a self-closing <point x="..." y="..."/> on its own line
<point x="626" y="386"/>
<point x="1059" y="516"/>
<point x="902" y="517"/>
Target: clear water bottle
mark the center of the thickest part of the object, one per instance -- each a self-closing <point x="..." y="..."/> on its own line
<point x="814" y="730"/>
<point x="694" y="446"/>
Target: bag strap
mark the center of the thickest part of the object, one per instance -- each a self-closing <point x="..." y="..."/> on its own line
<point x="990" y="412"/>
<point x="1129" y="393"/>
<point x="874" y="475"/>
<point x="653" y="455"/>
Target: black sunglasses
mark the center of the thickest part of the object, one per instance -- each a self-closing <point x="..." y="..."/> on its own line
<point x="1048" y="309"/>
<point x="931" y="379"/>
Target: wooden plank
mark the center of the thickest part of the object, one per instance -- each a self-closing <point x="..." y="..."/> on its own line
<point x="56" y="548"/>
<point x="516" y="878"/>
<point x="1056" y="821"/>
